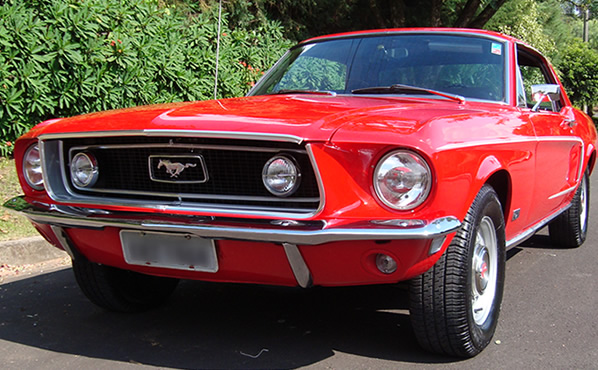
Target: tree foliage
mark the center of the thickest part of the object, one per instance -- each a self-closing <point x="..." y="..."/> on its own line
<point x="555" y="23"/>
<point x="576" y="7"/>
<point x="520" y="19"/>
<point x="579" y="71"/>
<point x="66" y="57"/>
<point x="307" y="18"/>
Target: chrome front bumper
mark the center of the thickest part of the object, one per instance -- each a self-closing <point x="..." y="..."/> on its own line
<point x="272" y="231"/>
<point x="289" y="233"/>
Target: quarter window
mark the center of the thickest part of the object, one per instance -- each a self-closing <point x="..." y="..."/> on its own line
<point x="533" y="71"/>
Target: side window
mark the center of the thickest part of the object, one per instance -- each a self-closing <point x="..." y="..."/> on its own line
<point x="532" y="75"/>
<point x="532" y="71"/>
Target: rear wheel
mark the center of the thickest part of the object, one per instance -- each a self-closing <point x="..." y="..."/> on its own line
<point x="455" y="305"/>
<point x="120" y="290"/>
<point x="570" y="228"/>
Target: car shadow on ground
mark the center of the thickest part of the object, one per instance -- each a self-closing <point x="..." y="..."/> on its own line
<point x="541" y="240"/>
<point x="215" y="325"/>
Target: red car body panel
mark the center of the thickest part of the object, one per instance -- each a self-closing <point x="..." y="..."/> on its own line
<point x="533" y="158"/>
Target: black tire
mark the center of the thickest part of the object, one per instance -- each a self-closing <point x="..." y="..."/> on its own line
<point x="570" y="228"/>
<point x="120" y="290"/>
<point x="472" y="268"/>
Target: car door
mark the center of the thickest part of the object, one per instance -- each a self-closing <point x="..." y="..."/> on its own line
<point x="558" y="149"/>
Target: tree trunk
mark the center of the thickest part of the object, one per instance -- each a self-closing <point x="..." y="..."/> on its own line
<point x="467" y="13"/>
<point x="586" y="24"/>
<point x="397" y="14"/>
<point x="436" y="10"/>
<point x="377" y="14"/>
<point x="486" y="14"/>
<point x="387" y="13"/>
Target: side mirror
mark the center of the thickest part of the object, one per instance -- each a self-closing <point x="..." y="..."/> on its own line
<point x="541" y="92"/>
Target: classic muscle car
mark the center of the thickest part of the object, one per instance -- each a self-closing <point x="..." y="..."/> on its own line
<point x="375" y="157"/>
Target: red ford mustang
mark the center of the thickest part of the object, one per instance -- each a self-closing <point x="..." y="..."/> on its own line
<point x="360" y="158"/>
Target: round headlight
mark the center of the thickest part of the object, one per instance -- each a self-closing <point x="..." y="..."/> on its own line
<point x="281" y="176"/>
<point x="32" y="168"/>
<point x="402" y="180"/>
<point x="84" y="170"/>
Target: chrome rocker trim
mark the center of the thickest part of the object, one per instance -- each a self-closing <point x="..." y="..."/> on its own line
<point x="276" y="231"/>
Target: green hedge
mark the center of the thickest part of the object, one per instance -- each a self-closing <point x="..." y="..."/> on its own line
<point x="579" y="73"/>
<point x="61" y="58"/>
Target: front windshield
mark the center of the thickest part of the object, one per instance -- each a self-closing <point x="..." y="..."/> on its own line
<point x="473" y="67"/>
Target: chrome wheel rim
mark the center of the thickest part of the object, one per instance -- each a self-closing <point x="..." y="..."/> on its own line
<point x="583" y="205"/>
<point x="484" y="269"/>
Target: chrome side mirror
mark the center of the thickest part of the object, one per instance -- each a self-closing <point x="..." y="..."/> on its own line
<point x="541" y="92"/>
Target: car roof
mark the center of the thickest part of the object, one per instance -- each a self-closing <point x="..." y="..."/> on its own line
<point x="390" y="31"/>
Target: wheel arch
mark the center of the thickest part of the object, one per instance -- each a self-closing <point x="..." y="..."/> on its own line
<point x="493" y="173"/>
<point x="501" y="182"/>
<point x="592" y="161"/>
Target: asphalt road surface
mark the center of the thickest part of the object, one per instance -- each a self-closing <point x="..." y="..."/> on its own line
<point x="548" y="321"/>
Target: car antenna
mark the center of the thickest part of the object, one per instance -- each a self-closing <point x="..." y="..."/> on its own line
<point x="217" y="49"/>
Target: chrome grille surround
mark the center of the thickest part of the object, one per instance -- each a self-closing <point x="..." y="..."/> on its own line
<point x="58" y="149"/>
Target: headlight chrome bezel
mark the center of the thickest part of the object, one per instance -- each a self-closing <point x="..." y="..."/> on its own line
<point x="32" y="167"/>
<point x="84" y="162"/>
<point x="417" y="185"/>
<point x="294" y="175"/>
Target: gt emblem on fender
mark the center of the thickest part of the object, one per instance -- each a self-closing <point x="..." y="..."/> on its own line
<point x="180" y="169"/>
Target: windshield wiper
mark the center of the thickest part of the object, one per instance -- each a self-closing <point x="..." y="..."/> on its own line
<point x="406" y="89"/>
<point x="297" y="91"/>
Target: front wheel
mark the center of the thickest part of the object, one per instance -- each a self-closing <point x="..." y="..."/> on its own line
<point x="120" y="290"/>
<point x="454" y="306"/>
<point x="570" y="228"/>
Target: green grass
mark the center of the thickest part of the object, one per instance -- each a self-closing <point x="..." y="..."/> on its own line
<point x="12" y="224"/>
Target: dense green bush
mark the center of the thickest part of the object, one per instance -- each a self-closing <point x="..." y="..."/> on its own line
<point x="65" y="57"/>
<point x="579" y="73"/>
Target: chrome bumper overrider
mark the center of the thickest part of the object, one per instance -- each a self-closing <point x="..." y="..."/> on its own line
<point x="277" y="231"/>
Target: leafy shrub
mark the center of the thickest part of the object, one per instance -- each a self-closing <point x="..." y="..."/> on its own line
<point x="66" y="57"/>
<point x="579" y="73"/>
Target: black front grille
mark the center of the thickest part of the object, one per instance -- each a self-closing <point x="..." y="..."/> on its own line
<point x="217" y="171"/>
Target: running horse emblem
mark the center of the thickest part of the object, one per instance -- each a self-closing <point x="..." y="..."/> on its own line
<point x="174" y="169"/>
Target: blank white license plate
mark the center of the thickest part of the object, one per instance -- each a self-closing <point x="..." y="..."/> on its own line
<point x="173" y="251"/>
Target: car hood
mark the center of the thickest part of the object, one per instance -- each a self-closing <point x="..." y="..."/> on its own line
<point x="299" y="117"/>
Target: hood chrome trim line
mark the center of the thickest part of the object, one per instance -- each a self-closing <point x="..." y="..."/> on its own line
<point x="262" y="136"/>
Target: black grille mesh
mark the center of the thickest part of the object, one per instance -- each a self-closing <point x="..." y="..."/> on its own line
<point x="124" y="171"/>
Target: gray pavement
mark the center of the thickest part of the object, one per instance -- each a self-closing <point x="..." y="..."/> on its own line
<point x="548" y="321"/>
